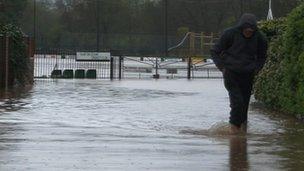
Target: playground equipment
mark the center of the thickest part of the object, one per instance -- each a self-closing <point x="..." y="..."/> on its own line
<point x="194" y="45"/>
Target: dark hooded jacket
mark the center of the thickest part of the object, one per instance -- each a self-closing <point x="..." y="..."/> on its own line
<point x="235" y="52"/>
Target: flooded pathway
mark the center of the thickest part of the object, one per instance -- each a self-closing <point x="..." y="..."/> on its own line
<point x="135" y="124"/>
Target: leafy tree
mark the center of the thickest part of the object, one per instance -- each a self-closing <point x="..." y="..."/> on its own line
<point x="11" y="10"/>
<point x="133" y="25"/>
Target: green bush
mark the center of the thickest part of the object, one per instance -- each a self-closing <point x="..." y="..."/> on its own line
<point x="280" y="84"/>
<point x="18" y="60"/>
<point x="274" y="28"/>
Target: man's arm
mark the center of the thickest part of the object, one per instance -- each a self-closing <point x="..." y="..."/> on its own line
<point x="218" y="49"/>
<point x="262" y="52"/>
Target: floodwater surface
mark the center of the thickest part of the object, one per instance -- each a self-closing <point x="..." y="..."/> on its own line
<point x="137" y="125"/>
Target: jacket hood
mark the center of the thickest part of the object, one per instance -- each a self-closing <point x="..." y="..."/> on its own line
<point x="248" y="21"/>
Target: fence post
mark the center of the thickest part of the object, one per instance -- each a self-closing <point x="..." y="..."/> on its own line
<point x="30" y="57"/>
<point x="192" y="49"/>
<point x="189" y="68"/>
<point x="120" y="67"/>
<point x="156" y="76"/>
<point x="111" y="68"/>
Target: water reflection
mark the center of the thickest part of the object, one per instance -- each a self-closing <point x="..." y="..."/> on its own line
<point x="13" y="99"/>
<point x="11" y="130"/>
<point x="238" y="156"/>
<point x="289" y="140"/>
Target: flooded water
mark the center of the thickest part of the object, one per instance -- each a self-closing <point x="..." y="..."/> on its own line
<point x="136" y="125"/>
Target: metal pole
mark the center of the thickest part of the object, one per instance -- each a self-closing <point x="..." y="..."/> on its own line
<point x="156" y="76"/>
<point x="189" y="68"/>
<point x="166" y="28"/>
<point x="120" y="67"/>
<point x="156" y="67"/>
<point x="35" y="19"/>
<point x="34" y="36"/>
<point x="112" y="68"/>
<point x="97" y="26"/>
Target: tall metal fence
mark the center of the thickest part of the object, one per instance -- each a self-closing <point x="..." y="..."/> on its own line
<point x="58" y="64"/>
<point x="174" y="68"/>
<point x="187" y="58"/>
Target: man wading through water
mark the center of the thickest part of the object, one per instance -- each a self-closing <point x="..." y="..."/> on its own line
<point x="240" y="54"/>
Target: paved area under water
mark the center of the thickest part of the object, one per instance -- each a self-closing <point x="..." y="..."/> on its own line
<point x="135" y="125"/>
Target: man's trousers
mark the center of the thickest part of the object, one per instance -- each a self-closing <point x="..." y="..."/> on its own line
<point x="239" y="86"/>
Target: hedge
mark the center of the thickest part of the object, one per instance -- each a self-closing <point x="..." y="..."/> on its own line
<point x="18" y="60"/>
<point x="280" y="85"/>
